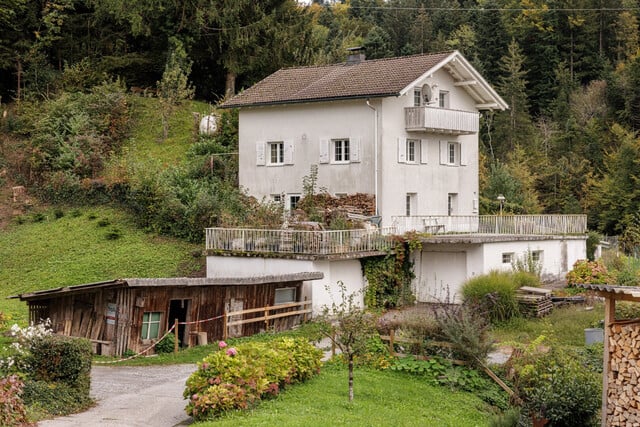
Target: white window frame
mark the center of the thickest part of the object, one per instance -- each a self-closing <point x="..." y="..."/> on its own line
<point x="452" y="203"/>
<point x="145" y="329"/>
<point x="443" y="99"/>
<point x="410" y="204"/>
<point x="291" y="205"/>
<point x="340" y="150"/>
<point x="536" y="256"/>
<point x="279" y="147"/>
<point x="291" y="294"/>
<point x="417" y="97"/>
<point x="508" y="257"/>
<point x="451" y="153"/>
<point x="276" y="198"/>
<point x="412" y="150"/>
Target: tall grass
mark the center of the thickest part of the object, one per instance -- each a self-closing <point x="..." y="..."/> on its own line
<point x="495" y="292"/>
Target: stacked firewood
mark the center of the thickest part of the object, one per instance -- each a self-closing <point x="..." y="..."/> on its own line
<point x="623" y="380"/>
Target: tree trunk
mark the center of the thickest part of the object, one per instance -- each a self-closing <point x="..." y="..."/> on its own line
<point x="350" y="377"/>
<point x="230" y="84"/>
<point x="19" y="75"/>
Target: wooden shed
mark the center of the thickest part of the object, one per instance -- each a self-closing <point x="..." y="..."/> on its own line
<point x="132" y="314"/>
<point x="621" y="370"/>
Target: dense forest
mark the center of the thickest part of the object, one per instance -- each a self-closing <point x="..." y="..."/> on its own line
<point x="569" y="70"/>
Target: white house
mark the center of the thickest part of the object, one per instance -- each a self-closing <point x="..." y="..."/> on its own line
<point x="404" y="130"/>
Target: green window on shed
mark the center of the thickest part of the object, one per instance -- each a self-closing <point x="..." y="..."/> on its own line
<point x="150" y="325"/>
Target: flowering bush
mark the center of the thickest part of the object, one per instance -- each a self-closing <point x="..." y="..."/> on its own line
<point x="591" y="272"/>
<point x="238" y="377"/>
<point x="15" y="358"/>
<point x="12" y="409"/>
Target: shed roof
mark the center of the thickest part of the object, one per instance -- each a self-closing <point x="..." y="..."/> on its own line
<point x="173" y="281"/>
<point x="617" y="292"/>
<point x="365" y="79"/>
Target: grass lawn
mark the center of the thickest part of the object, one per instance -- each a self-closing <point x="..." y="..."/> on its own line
<point x="564" y="324"/>
<point x="382" y="398"/>
<point x="75" y="249"/>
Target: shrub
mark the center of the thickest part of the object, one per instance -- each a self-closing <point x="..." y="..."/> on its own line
<point x="237" y="378"/>
<point x="12" y="409"/>
<point x="55" y="397"/>
<point x="523" y="278"/>
<point x="57" y="358"/>
<point x="166" y="345"/>
<point x="589" y="272"/>
<point x="556" y="385"/>
<point x="466" y="328"/>
<point x="494" y="293"/>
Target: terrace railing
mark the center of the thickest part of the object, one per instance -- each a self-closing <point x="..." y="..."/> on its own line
<point x="299" y="241"/>
<point x="493" y="224"/>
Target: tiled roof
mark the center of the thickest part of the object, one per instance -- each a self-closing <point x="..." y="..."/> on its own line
<point x="371" y="78"/>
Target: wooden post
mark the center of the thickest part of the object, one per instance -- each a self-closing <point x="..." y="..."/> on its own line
<point x="175" y="341"/>
<point x="333" y="344"/>
<point x="266" y="319"/>
<point x="392" y="349"/>
<point x="224" y="326"/>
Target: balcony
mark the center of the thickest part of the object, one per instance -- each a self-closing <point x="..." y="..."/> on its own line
<point x="526" y="225"/>
<point x="441" y="120"/>
<point x="361" y="241"/>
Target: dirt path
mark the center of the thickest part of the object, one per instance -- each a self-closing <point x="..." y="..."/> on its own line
<point x="132" y="396"/>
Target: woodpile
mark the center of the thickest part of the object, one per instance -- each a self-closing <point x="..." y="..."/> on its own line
<point x="623" y="387"/>
<point x="534" y="302"/>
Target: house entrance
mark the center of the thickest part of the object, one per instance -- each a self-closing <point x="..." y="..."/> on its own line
<point x="179" y="309"/>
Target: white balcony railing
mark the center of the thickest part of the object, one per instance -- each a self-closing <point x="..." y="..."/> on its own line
<point x="298" y="241"/>
<point x="441" y="120"/>
<point x="359" y="241"/>
<point x="493" y="224"/>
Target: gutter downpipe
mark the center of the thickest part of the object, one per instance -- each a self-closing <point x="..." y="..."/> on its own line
<point x="375" y="154"/>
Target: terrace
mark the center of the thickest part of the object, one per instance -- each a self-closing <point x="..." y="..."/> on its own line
<point x="359" y="241"/>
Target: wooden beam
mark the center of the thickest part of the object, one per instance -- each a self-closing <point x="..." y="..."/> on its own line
<point x="466" y="83"/>
<point x="489" y="105"/>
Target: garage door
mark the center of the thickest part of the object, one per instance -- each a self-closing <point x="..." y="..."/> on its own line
<point x="441" y="276"/>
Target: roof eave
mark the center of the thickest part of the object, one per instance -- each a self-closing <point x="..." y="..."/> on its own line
<point x="309" y="100"/>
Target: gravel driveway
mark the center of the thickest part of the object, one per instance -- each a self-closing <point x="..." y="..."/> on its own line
<point x="132" y="396"/>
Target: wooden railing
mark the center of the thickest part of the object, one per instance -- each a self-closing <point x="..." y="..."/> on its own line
<point x="493" y="224"/>
<point x="441" y="120"/>
<point x="265" y="315"/>
<point x="298" y="241"/>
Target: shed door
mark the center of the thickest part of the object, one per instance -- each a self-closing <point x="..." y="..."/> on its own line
<point x="179" y="309"/>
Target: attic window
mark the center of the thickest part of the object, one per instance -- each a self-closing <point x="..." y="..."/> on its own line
<point x="417" y="97"/>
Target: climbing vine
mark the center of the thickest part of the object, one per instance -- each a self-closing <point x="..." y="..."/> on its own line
<point x="389" y="277"/>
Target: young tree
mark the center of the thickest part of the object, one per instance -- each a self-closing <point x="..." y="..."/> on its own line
<point x="174" y="86"/>
<point x="350" y="327"/>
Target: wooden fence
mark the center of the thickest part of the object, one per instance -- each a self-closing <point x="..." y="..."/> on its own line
<point x="265" y="314"/>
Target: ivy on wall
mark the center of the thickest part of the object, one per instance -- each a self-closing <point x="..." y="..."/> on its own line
<point x="389" y="277"/>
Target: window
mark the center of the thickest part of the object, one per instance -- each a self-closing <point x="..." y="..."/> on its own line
<point x="536" y="256"/>
<point x="410" y="204"/>
<point x="341" y="150"/>
<point x="451" y="153"/>
<point x="285" y="295"/>
<point x="276" y="198"/>
<point x="452" y="201"/>
<point x="417" y="97"/>
<point x="412" y="147"/>
<point x="150" y="325"/>
<point x="294" y="199"/>
<point x="276" y="153"/>
<point x="443" y="99"/>
<point x="507" y="257"/>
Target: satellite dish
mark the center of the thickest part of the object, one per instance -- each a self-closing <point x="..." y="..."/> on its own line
<point x="426" y="94"/>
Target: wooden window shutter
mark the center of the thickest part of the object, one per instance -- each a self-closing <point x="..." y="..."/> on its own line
<point x="402" y="150"/>
<point x="444" y="152"/>
<point x="354" y="147"/>
<point x="464" y="157"/>
<point x="288" y="152"/>
<point x="260" y="153"/>
<point x="424" y="153"/>
<point x="324" y="151"/>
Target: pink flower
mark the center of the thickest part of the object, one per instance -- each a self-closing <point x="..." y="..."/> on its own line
<point x="195" y="397"/>
<point x="232" y="352"/>
<point x="205" y="365"/>
<point x="222" y="344"/>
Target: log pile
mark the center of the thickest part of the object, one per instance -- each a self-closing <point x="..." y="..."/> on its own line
<point x="623" y="379"/>
<point x="534" y="302"/>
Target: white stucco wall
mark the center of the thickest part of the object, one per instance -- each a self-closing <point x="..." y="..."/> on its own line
<point x="347" y="271"/>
